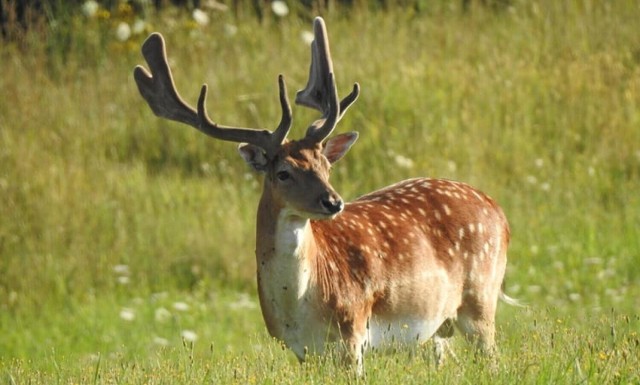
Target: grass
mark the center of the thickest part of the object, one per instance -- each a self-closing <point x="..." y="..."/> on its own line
<point x="126" y="242"/>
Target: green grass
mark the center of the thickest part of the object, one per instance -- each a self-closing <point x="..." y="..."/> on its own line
<point x="111" y="220"/>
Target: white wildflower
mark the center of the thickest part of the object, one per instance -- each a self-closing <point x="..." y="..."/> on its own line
<point x="307" y="37"/>
<point x="94" y="357"/>
<point x="280" y="8"/>
<point x="159" y="296"/>
<point x="160" y="341"/>
<point x="138" y="26"/>
<point x="230" y="30"/>
<point x="593" y="261"/>
<point x="403" y="161"/>
<point x="121" y="269"/>
<point x="574" y="297"/>
<point x="90" y="8"/>
<point x="215" y="6"/>
<point x="123" y="31"/>
<point x="607" y="273"/>
<point x="162" y="315"/>
<point x="180" y="306"/>
<point x="127" y="314"/>
<point x="189" y="335"/>
<point x="200" y="17"/>
<point x="123" y="280"/>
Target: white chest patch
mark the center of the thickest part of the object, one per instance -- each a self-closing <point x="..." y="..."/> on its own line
<point x="290" y="267"/>
<point x="285" y="283"/>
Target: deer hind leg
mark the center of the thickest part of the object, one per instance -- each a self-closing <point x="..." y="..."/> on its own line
<point x="441" y="346"/>
<point x="476" y="320"/>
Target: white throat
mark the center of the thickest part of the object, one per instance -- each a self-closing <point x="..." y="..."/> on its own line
<point x="293" y="237"/>
<point x="291" y="231"/>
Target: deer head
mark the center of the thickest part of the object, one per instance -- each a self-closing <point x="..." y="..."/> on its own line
<point x="296" y="171"/>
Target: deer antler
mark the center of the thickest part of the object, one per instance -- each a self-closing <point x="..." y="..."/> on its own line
<point x="158" y="89"/>
<point x="320" y="92"/>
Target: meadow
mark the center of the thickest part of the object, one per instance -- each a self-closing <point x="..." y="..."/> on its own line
<point x="127" y="242"/>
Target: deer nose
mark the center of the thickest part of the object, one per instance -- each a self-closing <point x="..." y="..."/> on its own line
<point x="333" y="204"/>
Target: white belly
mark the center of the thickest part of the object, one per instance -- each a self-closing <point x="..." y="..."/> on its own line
<point x="385" y="332"/>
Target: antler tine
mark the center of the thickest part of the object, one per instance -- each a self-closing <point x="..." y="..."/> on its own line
<point x="285" y="123"/>
<point x="349" y="99"/>
<point x="158" y="89"/>
<point x="314" y="95"/>
<point x="321" y="84"/>
<point x="322" y="128"/>
<point x="267" y="140"/>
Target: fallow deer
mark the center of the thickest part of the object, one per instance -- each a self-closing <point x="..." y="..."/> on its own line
<point x="396" y="266"/>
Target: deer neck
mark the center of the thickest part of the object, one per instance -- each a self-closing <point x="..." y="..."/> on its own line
<point x="281" y="233"/>
<point x="285" y="251"/>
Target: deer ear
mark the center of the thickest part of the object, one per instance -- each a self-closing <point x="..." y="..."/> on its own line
<point x="254" y="156"/>
<point x="337" y="146"/>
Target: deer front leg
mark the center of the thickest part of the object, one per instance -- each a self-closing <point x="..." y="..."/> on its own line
<point x="355" y="338"/>
<point x="353" y="352"/>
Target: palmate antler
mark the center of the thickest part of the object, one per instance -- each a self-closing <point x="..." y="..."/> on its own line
<point x="320" y="90"/>
<point x="157" y="87"/>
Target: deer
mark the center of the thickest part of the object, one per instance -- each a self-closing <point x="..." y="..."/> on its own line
<point x="398" y="266"/>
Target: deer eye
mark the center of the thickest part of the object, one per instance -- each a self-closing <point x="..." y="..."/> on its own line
<point x="283" y="175"/>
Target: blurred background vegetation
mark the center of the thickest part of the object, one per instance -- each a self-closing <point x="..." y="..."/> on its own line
<point x="26" y="12"/>
<point x="109" y="213"/>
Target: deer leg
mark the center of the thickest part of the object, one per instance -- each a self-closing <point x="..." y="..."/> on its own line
<point x="441" y="343"/>
<point x="477" y="323"/>
<point x="353" y="353"/>
<point x="355" y="339"/>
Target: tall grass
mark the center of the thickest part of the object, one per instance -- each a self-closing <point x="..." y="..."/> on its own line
<point x="538" y="105"/>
